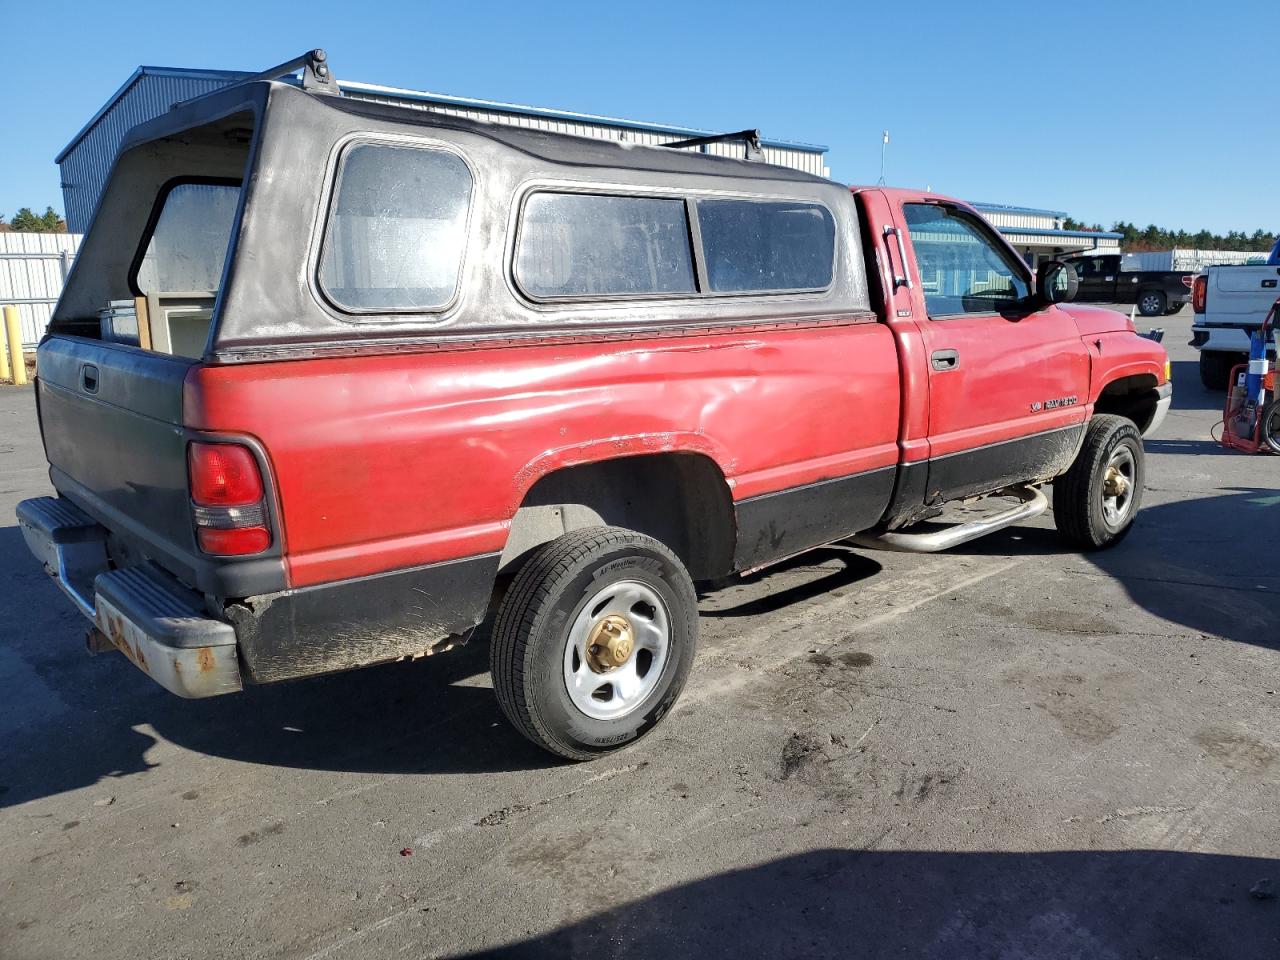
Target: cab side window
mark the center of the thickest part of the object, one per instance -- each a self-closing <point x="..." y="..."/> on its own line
<point x="963" y="269"/>
<point x="1087" y="267"/>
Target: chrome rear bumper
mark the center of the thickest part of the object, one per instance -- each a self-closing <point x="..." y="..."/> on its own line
<point x="147" y="615"/>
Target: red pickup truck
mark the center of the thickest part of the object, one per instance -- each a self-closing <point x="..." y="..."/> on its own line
<point x="331" y="381"/>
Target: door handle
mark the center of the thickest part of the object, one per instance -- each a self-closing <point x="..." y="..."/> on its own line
<point x="944" y="360"/>
<point x="89" y="378"/>
<point x="903" y="279"/>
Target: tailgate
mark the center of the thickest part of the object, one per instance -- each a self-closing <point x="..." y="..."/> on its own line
<point x="1241" y="294"/>
<point x="111" y="416"/>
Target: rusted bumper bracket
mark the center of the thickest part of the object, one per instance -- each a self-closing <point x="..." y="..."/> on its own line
<point x="154" y="622"/>
<point x="146" y="614"/>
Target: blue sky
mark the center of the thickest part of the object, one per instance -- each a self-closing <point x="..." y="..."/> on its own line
<point x="1158" y="112"/>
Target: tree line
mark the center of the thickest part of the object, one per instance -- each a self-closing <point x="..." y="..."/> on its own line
<point x="27" y="221"/>
<point x="1135" y="239"/>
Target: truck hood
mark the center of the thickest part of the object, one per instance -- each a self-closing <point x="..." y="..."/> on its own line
<point x="1094" y="320"/>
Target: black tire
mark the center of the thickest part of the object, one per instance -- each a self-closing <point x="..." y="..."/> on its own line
<point x="529" y="653"/>
<point x="1079" y="509"/>
<point x="1271" y="426"/>
<point x="1215" y="369"/>
<point x="1152" y="303"/>
<point x="1173" y="308"/>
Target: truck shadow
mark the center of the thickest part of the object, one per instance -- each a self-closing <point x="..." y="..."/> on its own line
<point x="68" y="720"/>
<point x="843" y="903"/>
<point x="1204" y="564"/>
<point x="1193" y="448"/>
<point x="836" y="566"/>
<point x="1189" y="393"/>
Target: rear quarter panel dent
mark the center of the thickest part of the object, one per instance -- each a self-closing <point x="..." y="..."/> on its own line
<point x="395" y="460"/>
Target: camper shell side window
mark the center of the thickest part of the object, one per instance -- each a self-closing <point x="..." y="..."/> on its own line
<point x="396" y="232"/>
<point x="363" y="226"/>
<point x="611" y="246"/>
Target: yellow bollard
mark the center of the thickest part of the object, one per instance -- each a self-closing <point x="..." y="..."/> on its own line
<point x="4" y="360"/>
<point x="13" y="333"/>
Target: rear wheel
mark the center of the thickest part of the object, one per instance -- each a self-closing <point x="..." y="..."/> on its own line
<point x="1152" y="303"/>
<point x="1096" y="500"/>
<point x="1271" y="426"/>
<point x="1215" y="369"/>
<point x="593" y="641"/>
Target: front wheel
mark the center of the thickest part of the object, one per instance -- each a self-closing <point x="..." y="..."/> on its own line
<point x="1096" y="500"/>
<point x="593" y="641"/>
<point x="1215" y="368"/>
<point x="1152" y="303"/>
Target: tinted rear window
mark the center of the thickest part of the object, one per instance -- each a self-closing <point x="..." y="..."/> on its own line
<point x="188" y="244"/>
<point x="765" y="245"/>
<point x="579" y="245"/>
<point x="397" y="231"/>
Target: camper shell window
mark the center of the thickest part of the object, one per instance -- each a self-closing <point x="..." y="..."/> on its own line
<point x="185" y="246"/>
<point x="593" y="245"/>
<point x="767" y="246"/>
<point x="370" y="226"/>
<point x="397" y="229"/>
<point x="152" y="265"/>
<point x="584" y="246"/>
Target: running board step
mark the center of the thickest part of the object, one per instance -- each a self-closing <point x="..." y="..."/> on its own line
<point x="1034" y="503"/>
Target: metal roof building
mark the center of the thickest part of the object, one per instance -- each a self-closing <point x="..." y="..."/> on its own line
<point x="86" y="161"/>
<point x="150" y="92"/>
<point x="1039" y="234"/>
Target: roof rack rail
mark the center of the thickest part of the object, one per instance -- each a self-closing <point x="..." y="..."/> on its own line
<point x="750" y="139"/>
<point x="316" y="75"/>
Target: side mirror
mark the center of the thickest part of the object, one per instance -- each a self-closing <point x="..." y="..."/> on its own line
<point x="1056" y="282"/>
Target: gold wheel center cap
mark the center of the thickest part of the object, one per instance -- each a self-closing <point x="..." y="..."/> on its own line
<point x="1115" y="483"/>
<point x="610" y="643"/>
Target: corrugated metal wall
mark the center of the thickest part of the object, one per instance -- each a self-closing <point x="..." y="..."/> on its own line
<point x="32" y="267"/>
<point x="1031" y="221"/>
<point x="1185" y="258"/>
<point x="808" y="161"/>
<point x="85" y="167"/>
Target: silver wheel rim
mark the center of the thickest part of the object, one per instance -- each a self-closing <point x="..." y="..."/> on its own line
<point x="617" y="649"/>
<point x="1119" y="481"/>
<point x="1150" y="303"/>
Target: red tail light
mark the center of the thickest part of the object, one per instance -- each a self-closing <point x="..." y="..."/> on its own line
<point x="223" y="475"/>
<point x="239" y="542"/>
<point x="1199" y="293"/>
<point x="227" y="499"/>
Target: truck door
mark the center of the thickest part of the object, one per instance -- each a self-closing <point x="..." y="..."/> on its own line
<point x="1097" y="278"/>
<point x="1008" y="377"/>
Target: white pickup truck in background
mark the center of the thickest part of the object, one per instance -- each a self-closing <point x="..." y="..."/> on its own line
<point x="1229" y="302"/>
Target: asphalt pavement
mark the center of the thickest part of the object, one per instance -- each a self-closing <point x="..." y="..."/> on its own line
<point x="1009" y="750"/>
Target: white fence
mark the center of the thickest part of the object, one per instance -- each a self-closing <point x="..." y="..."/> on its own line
<point x="33" y="267"/>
